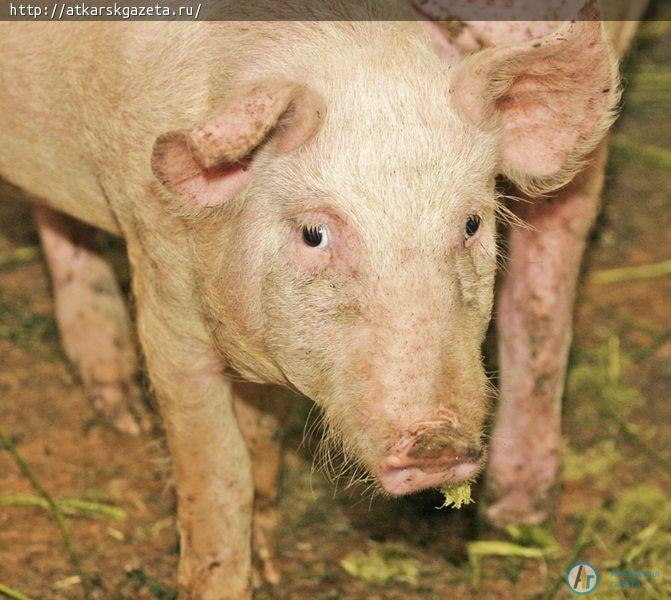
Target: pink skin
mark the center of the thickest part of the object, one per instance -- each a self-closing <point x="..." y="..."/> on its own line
<point x="88" y="299"/>
<point x="383" y="336"/>
<point x="381" y="327"/>
<point x="536" y="299"/>
<point x="432" y="458"/>
<point x="211" y="162"/>
<point x="399" y="478"/>
<point x="535" y="323"/>
<point x="261" y="412"/>
<point x="412" y="459"/>
<point x="342" y="255"/>
<point x="504" y="15"/>
<point x="342" y="242"/>
<point x="342" y="260"/>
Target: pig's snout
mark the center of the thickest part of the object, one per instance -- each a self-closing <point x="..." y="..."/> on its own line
<point x="434" y="457"/>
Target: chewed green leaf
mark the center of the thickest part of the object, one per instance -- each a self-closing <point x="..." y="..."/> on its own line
<point x="456" y="495"/>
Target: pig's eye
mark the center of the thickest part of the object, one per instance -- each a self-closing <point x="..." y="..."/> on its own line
<point x="316" y="237"/>
<point x="472" y="226"/>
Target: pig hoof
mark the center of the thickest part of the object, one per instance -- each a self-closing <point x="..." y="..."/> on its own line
<point x="211" y="581"/>
<point x="270" y="573"/>
<point x="265" y="570"/>
<point x="119" y="404"/>
<point x="515" y="509"/>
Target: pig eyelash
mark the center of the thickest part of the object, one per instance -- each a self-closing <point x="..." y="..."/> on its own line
<point x="316" y="236"/>
<point x="471" y="227"/>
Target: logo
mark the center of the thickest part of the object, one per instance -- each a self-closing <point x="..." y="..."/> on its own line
<point x="582" y="578"/>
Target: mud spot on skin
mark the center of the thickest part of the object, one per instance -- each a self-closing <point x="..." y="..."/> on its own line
<point x="543" y="385"/>
<point x="103" y="288"/>
<point x="432" y="444"/>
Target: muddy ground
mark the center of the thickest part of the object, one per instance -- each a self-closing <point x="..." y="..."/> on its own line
<point x="613" y="508"/>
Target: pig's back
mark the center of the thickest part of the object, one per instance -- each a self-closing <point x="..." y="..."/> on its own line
<point x="81" y="103"/>
<point x="42" y="119"/>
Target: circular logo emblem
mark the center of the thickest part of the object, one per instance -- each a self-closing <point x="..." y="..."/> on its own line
<point x="582" y="578"/>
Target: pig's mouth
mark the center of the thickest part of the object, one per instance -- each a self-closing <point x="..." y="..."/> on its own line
<point x="398" y="476"/>
<point x="431" y="457"/>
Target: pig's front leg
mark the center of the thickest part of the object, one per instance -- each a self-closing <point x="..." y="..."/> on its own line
<point x="92" y="319"/>
<point x="535" y="328"/>
<point x="212" y="467"/>
<point x="261" y="411"/>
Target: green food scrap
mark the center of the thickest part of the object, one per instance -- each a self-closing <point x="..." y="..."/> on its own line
<point x="531" y="535"/>
<point x="381" y="565"/>
<point x="69" y="506"/>
<point x="12" y="593"/>
<point x="456" y="495"/>
<point x="477" y="551"/>
<point x="508" y="549"/>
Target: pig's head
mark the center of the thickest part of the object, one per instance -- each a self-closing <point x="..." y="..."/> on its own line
<point x="345" y="230"/>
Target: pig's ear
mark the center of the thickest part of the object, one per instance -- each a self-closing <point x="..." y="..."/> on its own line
<point x="209" y="164"/>
<point x="554" y="99"/>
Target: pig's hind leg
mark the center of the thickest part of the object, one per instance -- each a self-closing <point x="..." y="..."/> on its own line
<point x="535" y="313"/>
<point x="92" y="319"/>
<point x="260" y="411"/>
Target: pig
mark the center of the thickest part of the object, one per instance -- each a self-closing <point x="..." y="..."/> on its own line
<point x="537" y="292"/>
<point x="305" y="204"/>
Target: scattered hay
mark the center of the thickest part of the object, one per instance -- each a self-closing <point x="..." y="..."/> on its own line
<point x="12" y="593"/>
<point x="594" y="464"/>
<point x="635" y="536"/>
<point x="533" y="536"/>
<point x="19" y="256"/>
<point x="382" y="564"/>
<point x="622" y="274"/>
<point x="531" y="542"/>
<point x="599" y="382"/>
<point x="69" y="507"/>
<point x="7" y="444"/>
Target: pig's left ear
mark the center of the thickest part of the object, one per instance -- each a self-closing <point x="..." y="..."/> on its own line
<point x="211" y="163"/>
<point x="554" y="99"/>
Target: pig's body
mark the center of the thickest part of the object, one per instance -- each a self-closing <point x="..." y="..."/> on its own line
<point x="81" y="108"/>
<point x="352" y="258"/>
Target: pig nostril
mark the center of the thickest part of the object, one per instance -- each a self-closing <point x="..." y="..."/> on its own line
<point x="428" y="448"/>
<point x="443" y="444"/>
<point x="474" y="454"/>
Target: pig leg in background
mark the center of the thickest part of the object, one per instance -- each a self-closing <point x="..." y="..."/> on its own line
<point x="211" y="464"/>
<point x="92" y="319"/>
<point x="261" y="411"/>
<point x="535" y="313"/>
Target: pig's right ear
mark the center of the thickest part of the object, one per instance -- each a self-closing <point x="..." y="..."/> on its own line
<point x="211" y="163"/>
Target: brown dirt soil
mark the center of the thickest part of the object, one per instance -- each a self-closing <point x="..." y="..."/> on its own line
<point x="43" y="408"/>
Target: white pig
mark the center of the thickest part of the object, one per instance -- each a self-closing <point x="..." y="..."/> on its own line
<point x="306" y="204"/>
